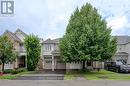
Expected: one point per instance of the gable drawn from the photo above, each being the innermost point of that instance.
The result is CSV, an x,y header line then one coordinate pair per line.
x,y
20,34
12,36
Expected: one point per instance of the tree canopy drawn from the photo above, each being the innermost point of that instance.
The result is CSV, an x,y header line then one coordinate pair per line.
x,y
33,49
87,37
7,53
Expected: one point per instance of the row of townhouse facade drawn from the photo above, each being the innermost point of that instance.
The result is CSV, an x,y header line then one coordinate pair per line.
x,y
50,53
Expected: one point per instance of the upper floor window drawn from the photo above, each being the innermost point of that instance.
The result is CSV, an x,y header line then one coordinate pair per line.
x,y
21,47
56,47
48,47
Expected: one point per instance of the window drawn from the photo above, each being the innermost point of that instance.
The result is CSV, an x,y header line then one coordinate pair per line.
x,y
47,57
21,47
60,61
48,47
49,61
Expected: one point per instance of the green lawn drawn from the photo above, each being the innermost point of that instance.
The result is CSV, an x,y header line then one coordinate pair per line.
x,y
102,74
8,76
13,76
71,75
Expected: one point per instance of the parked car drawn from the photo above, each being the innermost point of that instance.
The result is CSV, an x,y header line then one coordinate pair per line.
x,y
117,66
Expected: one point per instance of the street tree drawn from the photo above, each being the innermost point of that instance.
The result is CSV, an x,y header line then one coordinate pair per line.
x,y
87,37
7,52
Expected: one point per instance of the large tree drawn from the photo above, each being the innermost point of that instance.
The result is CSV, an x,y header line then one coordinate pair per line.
x,y
33,49
7,53
87,37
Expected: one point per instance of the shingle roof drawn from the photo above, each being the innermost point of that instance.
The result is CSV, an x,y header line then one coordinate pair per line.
x,y
12,35
18,30
52,41
120,40
55,52
123,39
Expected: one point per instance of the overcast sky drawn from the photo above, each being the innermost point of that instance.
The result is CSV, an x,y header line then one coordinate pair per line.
x,y
49,18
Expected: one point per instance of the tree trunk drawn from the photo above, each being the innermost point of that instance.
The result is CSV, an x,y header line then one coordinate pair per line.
x,y
83,65
3,64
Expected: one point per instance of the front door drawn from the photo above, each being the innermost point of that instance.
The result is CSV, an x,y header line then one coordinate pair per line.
x,y
21,61
47,62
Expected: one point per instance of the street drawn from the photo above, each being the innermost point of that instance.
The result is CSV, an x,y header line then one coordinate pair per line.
x,y
63,83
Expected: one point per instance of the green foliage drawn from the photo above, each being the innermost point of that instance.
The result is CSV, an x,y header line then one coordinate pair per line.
x,y
11,71
7,71
19,70
22,69
8,77
7,53
87,37
33,50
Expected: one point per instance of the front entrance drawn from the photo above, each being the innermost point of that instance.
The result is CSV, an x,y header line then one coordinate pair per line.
x,y
47,63
21,61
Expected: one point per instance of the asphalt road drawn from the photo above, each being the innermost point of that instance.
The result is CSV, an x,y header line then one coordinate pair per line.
x,y
63,83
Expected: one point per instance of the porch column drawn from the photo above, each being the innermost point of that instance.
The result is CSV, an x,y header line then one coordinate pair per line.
x,y
52,62
43,62
16,63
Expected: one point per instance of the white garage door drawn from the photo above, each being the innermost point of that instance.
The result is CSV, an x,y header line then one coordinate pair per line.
x,y
48,64
59,64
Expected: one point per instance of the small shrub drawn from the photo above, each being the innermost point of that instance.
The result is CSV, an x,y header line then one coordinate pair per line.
x,y
19,70
14,72
8,71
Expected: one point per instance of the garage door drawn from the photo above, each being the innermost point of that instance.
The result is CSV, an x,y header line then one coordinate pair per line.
x,y
60,65
48,64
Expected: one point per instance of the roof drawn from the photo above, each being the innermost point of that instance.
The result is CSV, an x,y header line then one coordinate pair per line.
x,y
122,53
12,35
18,30
123,39
56,52
52,41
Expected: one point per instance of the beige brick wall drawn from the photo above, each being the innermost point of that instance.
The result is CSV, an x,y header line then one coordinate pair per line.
x,y
16,46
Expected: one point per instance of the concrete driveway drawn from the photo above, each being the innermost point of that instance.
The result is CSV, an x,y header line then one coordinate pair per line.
x,y
41,77
62,83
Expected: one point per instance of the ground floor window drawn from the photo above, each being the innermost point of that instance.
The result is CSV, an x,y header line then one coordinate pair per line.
x,y
49,61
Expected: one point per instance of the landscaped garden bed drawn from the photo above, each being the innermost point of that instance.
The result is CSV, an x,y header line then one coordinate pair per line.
x,y
13,73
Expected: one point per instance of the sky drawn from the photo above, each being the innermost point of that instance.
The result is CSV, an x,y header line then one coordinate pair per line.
x,y
49,18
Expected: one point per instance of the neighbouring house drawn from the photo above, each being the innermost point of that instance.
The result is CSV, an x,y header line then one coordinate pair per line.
x,y
17,38
123,49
